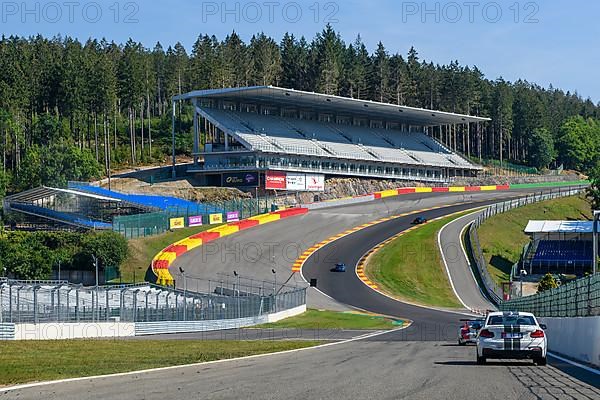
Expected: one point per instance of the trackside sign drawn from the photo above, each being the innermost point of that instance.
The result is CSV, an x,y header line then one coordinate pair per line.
x,y
293,181
276,180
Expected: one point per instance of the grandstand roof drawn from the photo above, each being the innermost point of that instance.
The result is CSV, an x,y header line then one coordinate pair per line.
x,y
559,227
371,109
44,192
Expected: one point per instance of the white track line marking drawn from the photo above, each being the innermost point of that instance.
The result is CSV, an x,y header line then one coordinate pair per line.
x,y
478,210
574,363
201,364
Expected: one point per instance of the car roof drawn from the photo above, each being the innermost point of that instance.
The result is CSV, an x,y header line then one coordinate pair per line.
x,y
503,313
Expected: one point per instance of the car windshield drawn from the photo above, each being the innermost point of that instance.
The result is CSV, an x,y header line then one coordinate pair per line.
x,y
511,320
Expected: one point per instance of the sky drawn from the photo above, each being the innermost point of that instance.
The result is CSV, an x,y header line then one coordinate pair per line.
x,y
547,42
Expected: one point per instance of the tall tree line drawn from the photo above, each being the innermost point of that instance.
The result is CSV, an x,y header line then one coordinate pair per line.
x,y
111,101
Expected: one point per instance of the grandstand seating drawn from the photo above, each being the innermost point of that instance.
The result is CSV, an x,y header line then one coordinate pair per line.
x,y
70,218
150,201
308,137
564,250
566,256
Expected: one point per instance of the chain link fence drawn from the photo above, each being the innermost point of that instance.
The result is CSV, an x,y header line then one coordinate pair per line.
x,y
229,298
580,298
495,290
149,224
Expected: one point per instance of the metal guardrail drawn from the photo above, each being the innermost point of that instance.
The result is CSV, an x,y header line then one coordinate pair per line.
x,y
226,298
580,298
496,291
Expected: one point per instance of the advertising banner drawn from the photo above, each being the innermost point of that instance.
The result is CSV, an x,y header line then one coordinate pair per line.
x,y
295,181
176,223
233,216
275,180
240,179
216,219
195,221
315,183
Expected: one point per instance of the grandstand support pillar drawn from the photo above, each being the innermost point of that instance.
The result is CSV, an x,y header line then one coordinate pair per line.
x,y
595,241
196,133
173,173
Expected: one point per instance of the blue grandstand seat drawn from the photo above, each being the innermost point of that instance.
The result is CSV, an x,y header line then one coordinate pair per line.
x,y
152,201
565,251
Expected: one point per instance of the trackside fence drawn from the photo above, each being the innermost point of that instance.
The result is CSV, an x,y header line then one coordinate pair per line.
x,y
495,290
228,298
155,223
580,298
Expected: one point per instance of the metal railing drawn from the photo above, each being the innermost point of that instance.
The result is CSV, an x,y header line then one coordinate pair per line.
x,y
580,298
495,290
227,298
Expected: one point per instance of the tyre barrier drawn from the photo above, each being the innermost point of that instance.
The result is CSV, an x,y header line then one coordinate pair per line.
x,y
163,260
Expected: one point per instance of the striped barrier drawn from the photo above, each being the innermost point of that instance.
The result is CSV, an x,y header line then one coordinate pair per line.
x,y
452,189
163,260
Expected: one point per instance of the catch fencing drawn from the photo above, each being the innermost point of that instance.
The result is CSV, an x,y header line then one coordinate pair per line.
x,y
154,223
579,298
228,298
496,291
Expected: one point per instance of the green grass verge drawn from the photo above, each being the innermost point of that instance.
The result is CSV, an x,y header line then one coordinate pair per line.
x,y
30,361
410,268
318,319
143,250
502,238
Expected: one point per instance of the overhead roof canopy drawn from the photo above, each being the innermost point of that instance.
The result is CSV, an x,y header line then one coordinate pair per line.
x,y
44,192
559,227
335,104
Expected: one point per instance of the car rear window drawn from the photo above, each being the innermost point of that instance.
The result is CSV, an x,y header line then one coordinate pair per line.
x,y
511,320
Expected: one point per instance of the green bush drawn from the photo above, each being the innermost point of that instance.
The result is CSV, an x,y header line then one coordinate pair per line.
x,y
33,255
547,283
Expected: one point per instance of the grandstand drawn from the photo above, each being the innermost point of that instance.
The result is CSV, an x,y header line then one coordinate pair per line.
x,y
559,247
87,207
258,129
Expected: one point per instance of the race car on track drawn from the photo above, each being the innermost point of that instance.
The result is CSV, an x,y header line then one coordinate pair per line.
x,y
468,331
420,221
339,267
512,335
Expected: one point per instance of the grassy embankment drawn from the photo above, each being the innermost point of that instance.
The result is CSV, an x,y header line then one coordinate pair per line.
x,y
30,361
318,319
502,238
410,268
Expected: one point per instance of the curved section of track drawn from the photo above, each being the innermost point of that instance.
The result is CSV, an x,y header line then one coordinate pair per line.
x,y
458,266
427,324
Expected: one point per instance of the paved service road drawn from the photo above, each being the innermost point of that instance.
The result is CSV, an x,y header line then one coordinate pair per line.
x,y
459,266
380,368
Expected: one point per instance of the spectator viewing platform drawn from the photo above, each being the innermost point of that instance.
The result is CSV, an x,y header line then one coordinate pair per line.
x,y
559,247
266,128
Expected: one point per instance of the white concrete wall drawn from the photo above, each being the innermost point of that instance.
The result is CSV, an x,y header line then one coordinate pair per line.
x,y
286,314
576,338
64,331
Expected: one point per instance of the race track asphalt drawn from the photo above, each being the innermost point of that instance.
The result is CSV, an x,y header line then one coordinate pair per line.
x,y
460,269
257,251
420,362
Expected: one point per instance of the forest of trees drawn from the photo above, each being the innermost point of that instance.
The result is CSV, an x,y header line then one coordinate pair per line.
x,y
70,109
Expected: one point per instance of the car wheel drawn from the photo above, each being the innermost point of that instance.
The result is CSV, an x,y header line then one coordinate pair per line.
x,y
541,361
480,360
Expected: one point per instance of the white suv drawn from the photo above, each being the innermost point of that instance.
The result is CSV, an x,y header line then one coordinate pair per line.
x,y
512,335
